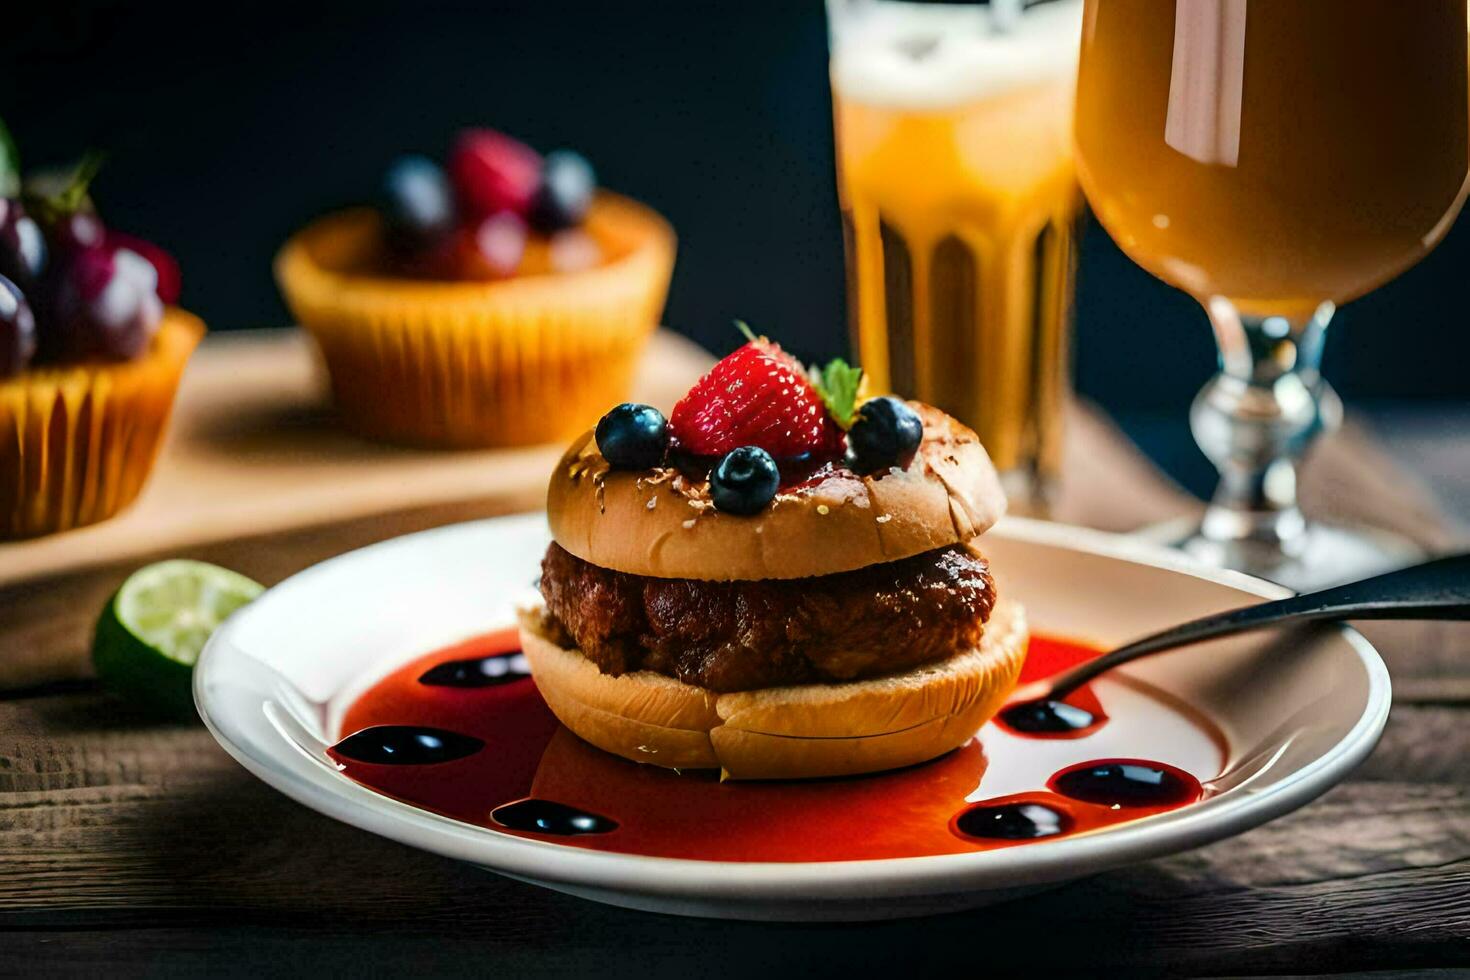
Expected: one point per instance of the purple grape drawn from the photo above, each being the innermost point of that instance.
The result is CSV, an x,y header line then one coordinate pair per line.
x,y
22,246
17,330
107,305
76,231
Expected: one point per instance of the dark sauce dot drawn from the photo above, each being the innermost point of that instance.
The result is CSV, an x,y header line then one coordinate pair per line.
x,y
501,668
550,817
1126,782
1047,717
406,745
1012,821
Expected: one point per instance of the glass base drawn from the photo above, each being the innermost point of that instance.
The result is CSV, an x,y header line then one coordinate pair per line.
x,y
1326,555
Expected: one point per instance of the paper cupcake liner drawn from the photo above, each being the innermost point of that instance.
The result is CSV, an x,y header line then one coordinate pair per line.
x,y
77,441
465,364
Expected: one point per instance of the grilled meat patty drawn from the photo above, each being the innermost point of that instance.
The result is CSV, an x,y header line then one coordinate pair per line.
x,y
740,636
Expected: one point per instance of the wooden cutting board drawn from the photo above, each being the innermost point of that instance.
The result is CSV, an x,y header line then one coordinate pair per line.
x,y
254,450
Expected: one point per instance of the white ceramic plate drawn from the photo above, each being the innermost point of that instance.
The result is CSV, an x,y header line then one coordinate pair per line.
x,y
1297,713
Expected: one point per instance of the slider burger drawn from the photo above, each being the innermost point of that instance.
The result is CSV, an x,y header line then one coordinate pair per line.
x,y
778,582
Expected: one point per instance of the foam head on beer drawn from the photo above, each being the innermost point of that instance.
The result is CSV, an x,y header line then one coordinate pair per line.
x,y
929,56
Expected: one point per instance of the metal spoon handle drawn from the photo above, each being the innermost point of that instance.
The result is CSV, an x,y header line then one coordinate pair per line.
x,y
1437,589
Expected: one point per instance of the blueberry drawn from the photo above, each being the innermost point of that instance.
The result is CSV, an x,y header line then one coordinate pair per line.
x,y
417,202
633,437
565,194
886,433
744,481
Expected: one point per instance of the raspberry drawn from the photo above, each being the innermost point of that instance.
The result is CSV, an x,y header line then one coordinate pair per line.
x,y
492,172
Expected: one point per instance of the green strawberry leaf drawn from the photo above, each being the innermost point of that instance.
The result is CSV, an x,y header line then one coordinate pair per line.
x,y
52,207
744,328
81,180
9,164
838,383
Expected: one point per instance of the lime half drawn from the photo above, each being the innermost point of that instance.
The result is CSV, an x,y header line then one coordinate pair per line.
x,y
151,631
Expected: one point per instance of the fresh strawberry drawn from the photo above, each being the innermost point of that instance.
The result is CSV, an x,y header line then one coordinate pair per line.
x,y
492,172
758,396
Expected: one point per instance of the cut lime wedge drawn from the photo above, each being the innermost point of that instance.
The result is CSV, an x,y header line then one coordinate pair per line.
x,y
150,633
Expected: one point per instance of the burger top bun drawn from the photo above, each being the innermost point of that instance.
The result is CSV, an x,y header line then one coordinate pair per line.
x,y
660,524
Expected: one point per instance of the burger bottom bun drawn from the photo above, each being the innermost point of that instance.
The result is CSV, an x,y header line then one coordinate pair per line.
x,y
799,732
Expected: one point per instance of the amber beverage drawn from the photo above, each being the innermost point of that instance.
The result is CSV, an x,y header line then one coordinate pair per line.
x,y
1274,158
959,199
1276,154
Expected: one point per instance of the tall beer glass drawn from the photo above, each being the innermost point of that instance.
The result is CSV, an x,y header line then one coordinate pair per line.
x,y
1273,158
958,193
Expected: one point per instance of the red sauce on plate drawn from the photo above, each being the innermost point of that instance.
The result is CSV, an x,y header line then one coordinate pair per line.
x,y
534,779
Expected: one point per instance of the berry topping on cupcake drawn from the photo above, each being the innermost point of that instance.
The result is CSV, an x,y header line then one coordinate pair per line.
x,y
17,329
165,266
22,245
417,205
498,210
74,289
493,172
565,194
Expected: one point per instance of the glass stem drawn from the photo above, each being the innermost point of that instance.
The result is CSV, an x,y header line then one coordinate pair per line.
x,y
1255,420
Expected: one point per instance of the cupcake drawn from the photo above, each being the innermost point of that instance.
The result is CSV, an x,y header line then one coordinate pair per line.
x,y
504,302
90,358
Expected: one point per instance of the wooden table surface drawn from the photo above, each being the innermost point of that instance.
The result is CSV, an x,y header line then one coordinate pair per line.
x,y
132,848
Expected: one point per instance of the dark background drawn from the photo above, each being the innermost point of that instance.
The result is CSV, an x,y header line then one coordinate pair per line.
x,y
228,126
